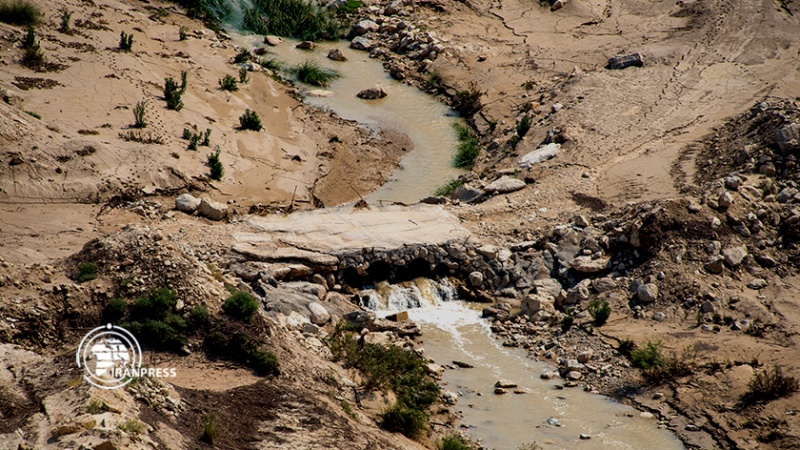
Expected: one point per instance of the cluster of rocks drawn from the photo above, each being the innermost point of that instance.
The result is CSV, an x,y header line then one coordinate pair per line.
x,y
204,207
475,190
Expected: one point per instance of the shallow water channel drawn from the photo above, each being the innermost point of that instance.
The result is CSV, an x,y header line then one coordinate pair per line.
x,y
427,122
454,331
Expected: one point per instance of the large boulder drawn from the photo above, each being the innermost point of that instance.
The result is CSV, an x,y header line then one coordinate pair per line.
x,y
273,41
466,193
505,184
647,293
788,138
587,264
372,93
533,303
319,315
336,55
540,154
363,27
212,210
187,203
361,43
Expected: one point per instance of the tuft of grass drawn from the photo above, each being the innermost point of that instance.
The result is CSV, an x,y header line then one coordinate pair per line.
x,y
468,102
311,73
626,347
250,121
241,306
769,385
300,19
87,271
468,147
243,75
434,78
347,409
34,114
447,189
32,56
20,12
183,33
66,17
210,429
96,406
242,57
132,427
270,63
523,126
567,321
125,41
215,165
648,356
454,442
142,137
399,418
229,83
599,312
139,113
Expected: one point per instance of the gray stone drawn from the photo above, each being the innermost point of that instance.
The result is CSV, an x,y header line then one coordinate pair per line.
x,y
577,294
450,397
476,279
659,316
336,55
625,61
733,182
647,293
433,200
586,264
585,436
310,328
757,283
604,284
434,370
361,319
553,422
548,286
533,303
319,315
585,356
466,193
505,184
786,194
212,210
363,27
715,264
500,391
540,154
725,200
393,8
574,375
187,203
372,93
788,138
361,43
505,384
734,255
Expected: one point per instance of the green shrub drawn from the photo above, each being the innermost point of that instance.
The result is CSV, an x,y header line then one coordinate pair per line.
x,y
87,271
243,75
241,306
434,78
242,57
199,316
399,418
66,17
228,84
216,343
155,305
468,102
626,347
263,362
647,357
270,63
523,126
206,138
215,165
32,56
183,33
447,189
114,310
173,92
139,113
96,406
769,385
20,12
468,147
300,19
454,442
33,114
310,72
241,349
125,41
210,429
567,321
600,312
250,121
132,427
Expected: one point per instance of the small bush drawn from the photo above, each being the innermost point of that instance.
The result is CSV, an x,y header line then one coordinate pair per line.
x,y
454,442
139,113
210,429
250,121
599,312
87,271
468,102
183,33
66,17
32,56
270,63
567,321
216,343
310,72
173,92
399,418
125,41
199,316
243,75
447,189
468,147
242,57
263,362
206,138
769,385
142,137
228,84
434,78
523,126
647,357
240,306
626,347
215,165
114,310
96,406
20,12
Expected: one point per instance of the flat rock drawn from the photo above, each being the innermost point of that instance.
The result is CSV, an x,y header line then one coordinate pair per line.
x,y
587,264
505,384
363,27
734,255
505,184
319,93
466,193
604,284
361,43
273,254
540,154
273,41
757,283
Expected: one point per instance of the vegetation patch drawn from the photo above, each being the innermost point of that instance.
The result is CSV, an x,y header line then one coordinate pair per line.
x,y
173,92
769,384
300,19
468,102
399,418
450,186
250,121
20,12
600,312
87,271
28,83
311,73
229,83
154,322
142,137
453,442
125,41
215,165
468,147
240,348
241,306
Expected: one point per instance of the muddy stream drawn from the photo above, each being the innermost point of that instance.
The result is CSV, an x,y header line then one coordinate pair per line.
x,y
452,329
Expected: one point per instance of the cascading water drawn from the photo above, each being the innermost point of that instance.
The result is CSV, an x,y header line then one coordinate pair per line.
x,y
453,330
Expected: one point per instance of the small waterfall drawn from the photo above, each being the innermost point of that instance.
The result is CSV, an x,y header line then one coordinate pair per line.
x,y
385,298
